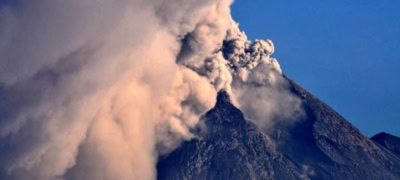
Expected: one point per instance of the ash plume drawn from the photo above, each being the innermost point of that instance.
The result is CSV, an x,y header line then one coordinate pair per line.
x,y
98,89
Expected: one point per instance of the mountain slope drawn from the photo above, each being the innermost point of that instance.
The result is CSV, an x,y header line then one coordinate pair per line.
x,y
319,145
390,142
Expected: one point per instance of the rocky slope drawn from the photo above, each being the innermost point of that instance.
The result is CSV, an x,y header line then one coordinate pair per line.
x,y
390,142
319,145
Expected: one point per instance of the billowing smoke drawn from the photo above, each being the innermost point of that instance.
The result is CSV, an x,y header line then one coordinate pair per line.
x,y
98,89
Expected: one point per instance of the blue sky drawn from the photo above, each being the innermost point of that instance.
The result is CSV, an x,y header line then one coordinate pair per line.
x,y
346,52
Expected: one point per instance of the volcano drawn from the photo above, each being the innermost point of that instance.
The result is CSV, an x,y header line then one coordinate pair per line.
x,y
321,144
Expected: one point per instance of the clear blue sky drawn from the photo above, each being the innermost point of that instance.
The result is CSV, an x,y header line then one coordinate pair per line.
x,y
346,52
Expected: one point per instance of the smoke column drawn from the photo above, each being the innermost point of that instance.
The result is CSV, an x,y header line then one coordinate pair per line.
x,y
99,89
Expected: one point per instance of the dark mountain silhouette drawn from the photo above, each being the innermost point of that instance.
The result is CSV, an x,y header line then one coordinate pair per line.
x,y
390,142
319,145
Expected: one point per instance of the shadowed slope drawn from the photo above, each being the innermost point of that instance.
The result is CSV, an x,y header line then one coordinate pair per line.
x,y
388,141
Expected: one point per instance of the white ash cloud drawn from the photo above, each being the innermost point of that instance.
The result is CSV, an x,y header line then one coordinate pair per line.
x,y
258,85
247,71
98,89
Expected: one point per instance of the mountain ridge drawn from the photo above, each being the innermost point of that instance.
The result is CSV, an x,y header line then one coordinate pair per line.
x,y
388,141
319,145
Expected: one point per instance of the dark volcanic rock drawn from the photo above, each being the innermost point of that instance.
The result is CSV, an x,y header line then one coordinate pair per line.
x,y
231,148
390,142
319,145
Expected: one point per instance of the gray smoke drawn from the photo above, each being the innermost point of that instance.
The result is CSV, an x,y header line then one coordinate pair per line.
x,y
98,89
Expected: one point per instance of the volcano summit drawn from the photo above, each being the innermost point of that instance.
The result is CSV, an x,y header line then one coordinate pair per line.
x,y
319,145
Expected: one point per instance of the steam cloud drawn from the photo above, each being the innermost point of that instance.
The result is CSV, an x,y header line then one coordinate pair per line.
x,y
98,89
